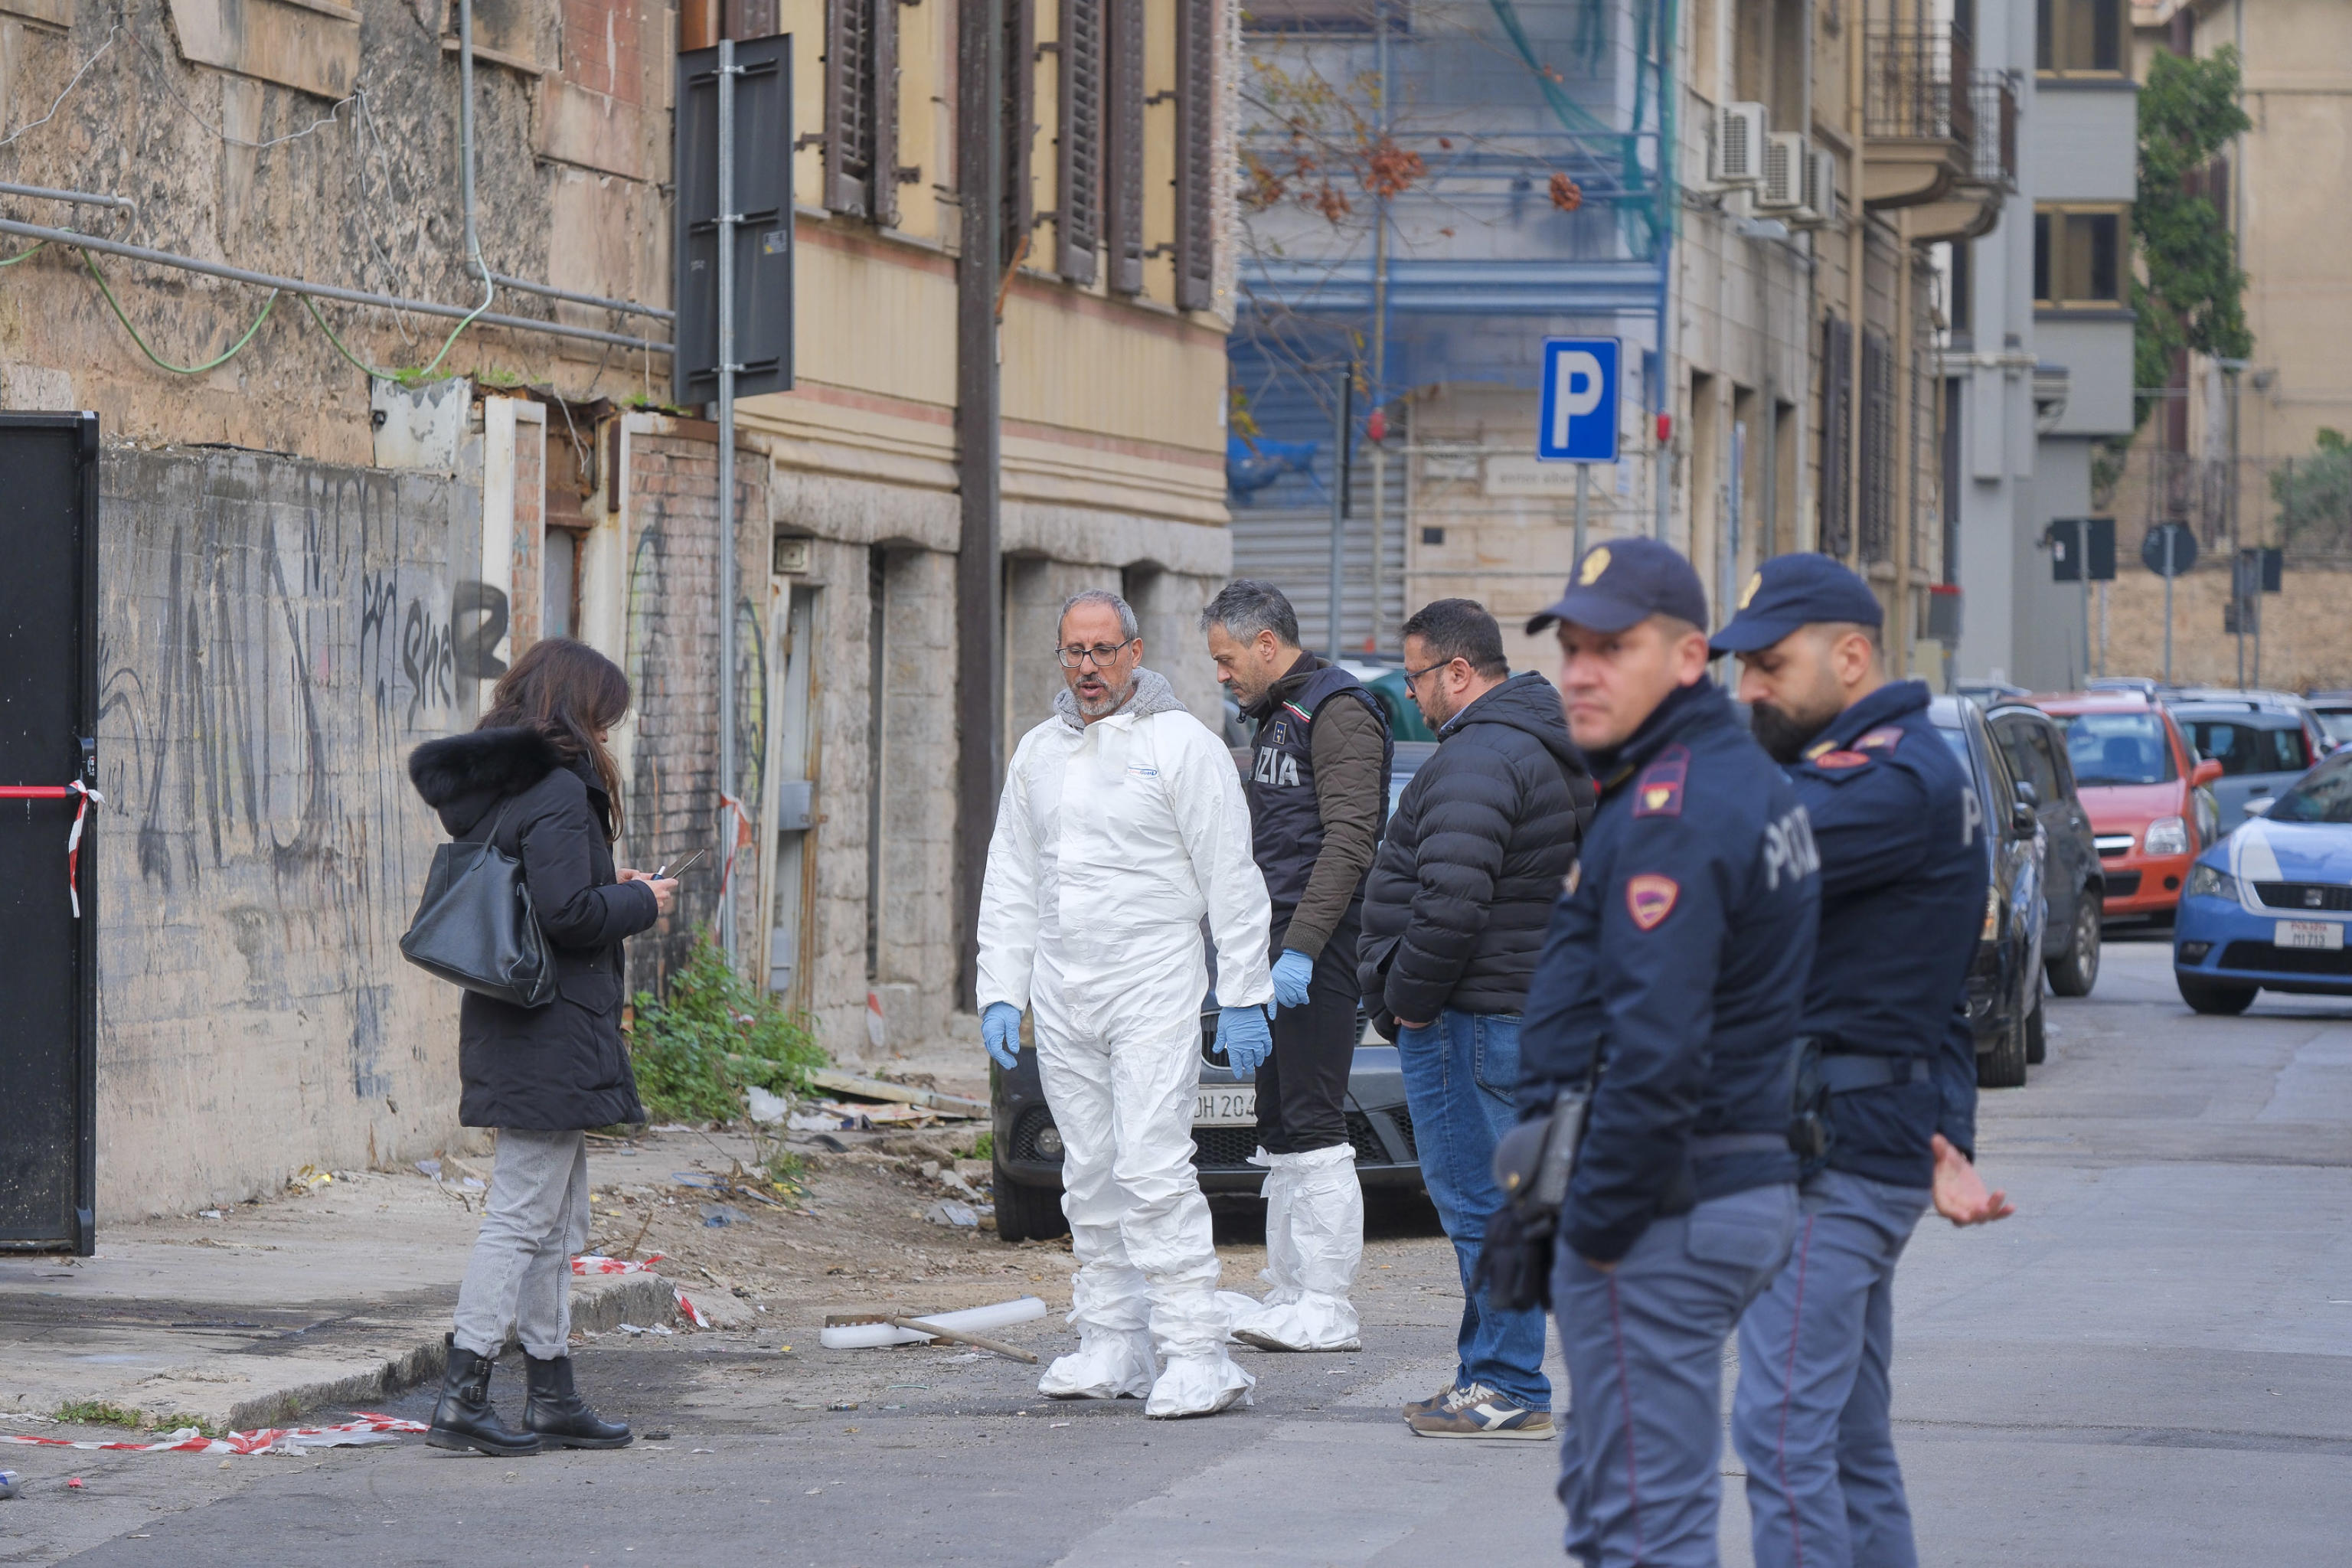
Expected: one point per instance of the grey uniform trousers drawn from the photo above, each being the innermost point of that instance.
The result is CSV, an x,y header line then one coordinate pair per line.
x,y
1810,1416
1643,1342
519,1279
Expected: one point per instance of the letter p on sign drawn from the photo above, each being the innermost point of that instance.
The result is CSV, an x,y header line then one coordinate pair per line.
x,y
1578,418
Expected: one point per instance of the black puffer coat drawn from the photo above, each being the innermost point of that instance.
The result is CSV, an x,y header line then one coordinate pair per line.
x,y
1461,893
562,1067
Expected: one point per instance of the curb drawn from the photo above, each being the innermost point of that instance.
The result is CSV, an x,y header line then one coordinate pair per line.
x,y
597,1307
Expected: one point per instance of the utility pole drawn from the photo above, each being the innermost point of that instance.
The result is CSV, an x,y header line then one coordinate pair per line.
x,y
731,812
1343,416
980,588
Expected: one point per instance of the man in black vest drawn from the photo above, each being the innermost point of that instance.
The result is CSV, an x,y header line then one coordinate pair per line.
x,y
1318,789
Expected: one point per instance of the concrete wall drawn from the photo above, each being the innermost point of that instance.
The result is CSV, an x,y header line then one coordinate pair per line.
x,y
275,637
2303,646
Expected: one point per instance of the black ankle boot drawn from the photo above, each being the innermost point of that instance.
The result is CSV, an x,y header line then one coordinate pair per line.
x,y
463,1418
556,1415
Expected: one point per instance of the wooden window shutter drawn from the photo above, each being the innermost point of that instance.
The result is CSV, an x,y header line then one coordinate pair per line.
x,y
1123,145
1878,447
1837,409
861,108
1079,163
1020,210
1196,26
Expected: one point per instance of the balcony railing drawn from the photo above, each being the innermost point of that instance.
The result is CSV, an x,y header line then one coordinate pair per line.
x,y
1910,86
1993,96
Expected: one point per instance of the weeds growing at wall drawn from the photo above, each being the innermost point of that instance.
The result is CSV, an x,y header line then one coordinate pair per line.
x,y
713,1037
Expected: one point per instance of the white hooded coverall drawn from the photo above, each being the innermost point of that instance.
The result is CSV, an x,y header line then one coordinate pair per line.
x,y
1113,840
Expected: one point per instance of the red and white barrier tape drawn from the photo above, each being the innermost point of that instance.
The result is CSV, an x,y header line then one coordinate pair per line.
x,y
73,837
693,1314
744,838
367,1428
597,1263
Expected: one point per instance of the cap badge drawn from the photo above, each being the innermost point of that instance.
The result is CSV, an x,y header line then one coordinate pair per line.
x,y
1650,900
1746,595
1596,561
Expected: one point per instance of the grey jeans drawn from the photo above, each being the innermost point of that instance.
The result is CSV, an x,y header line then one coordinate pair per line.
x,y
536,1219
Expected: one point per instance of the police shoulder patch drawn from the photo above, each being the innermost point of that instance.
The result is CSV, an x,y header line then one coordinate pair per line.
x,y
1650,899
1659,791
1885,738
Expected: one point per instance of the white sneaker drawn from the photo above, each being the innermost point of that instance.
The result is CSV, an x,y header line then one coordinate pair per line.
x,y
1198,1385
1106,1365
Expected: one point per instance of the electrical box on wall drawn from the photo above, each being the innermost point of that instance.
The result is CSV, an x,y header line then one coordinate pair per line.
x,y
792,557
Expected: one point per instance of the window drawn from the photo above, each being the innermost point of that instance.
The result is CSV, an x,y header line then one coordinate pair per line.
x,y
1078,146
2028,752
1836,535
560,602
1961,307
2078,258
2325,796
2074,37
2118,749
2243,748
861,109
1196,104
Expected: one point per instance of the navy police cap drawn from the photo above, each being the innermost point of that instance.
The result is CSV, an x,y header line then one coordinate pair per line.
x,y
1791,591
1626,580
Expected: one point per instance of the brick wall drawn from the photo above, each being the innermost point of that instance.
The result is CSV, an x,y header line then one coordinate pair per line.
x,y
673,663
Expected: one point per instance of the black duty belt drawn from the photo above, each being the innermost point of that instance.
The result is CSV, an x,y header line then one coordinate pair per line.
x,y
1722,1144
1845,1074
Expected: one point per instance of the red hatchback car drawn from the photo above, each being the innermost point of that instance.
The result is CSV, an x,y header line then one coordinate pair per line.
x,y
2144,788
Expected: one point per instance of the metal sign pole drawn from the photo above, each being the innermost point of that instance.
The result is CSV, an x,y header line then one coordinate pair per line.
x,y
1583,490
1343,414
2083,577
2168,537
728,218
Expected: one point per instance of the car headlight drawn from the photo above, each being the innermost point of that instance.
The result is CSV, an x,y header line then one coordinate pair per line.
x,y
2210,882
1992,915
2165,835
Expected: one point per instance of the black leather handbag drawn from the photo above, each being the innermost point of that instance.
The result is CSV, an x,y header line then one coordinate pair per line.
x,y
474,926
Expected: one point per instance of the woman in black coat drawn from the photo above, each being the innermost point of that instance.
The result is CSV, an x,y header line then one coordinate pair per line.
x,y
535,779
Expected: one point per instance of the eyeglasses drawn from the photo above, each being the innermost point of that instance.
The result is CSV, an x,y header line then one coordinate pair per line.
x,y
1412,675
1102,653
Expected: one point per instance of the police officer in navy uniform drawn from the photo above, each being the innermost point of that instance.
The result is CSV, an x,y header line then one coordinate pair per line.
x,y
1669,990
1317,790
1889,1063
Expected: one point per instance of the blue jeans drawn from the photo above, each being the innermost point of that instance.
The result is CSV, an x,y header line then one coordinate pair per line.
x,y
1460,1073
1810,1416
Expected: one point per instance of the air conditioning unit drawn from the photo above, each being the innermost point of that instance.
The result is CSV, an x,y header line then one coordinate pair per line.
x,y
1784,172
1738,147
1819,203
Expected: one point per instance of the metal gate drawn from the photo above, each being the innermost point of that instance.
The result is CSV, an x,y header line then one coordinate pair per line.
x,y
48,913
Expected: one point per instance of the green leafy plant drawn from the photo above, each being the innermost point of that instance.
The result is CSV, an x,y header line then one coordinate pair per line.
x,y
2315,495
714,1035
984,1146
99,1413
2191,292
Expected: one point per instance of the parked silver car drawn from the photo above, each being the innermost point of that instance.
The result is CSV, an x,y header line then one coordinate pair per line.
x,y
2265,741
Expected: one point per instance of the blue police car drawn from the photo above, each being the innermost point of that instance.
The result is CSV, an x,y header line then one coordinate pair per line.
x,y
2266,909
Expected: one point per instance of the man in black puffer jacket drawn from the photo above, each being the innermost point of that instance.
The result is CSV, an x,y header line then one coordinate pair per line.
x,y
1455,916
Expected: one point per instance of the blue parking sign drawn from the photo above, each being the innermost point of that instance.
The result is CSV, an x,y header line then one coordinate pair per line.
x,y
1578,420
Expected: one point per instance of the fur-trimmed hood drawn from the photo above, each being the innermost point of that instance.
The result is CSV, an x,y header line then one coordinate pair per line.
x,y
462,776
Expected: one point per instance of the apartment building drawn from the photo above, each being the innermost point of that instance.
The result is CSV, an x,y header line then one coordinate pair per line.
x,y
324,529
2038,347
1767,276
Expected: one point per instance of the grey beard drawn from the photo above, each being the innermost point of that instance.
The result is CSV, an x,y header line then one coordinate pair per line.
x,y
1110,702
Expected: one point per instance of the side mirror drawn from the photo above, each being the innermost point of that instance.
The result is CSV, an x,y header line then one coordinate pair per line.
x,y
2028,794
2204,773
2022,823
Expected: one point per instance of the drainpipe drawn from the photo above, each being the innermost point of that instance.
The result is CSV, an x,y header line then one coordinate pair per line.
x,y
1669,207
1857,258
474,266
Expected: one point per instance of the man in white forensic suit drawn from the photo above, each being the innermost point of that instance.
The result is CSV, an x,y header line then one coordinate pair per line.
x,y
1122,824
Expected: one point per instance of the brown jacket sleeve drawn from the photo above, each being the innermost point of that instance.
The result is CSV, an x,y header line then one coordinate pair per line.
x,y
1347,746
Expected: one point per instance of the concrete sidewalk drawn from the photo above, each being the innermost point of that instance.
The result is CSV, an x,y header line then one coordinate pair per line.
x,y
335,1293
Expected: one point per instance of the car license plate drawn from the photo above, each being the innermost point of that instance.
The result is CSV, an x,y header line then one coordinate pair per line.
x,y
1225,1105
2327,934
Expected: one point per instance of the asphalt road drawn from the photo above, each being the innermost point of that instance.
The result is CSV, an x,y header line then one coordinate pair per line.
x,y
2147,1366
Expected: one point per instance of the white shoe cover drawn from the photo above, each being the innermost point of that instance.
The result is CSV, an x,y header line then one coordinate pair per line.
x,y
1314,1244
1198,1385
1105,1366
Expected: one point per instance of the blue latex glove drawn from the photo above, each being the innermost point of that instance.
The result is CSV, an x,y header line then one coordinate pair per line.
x,y
1243,1035
999,1031
1292,973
